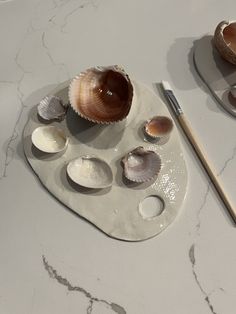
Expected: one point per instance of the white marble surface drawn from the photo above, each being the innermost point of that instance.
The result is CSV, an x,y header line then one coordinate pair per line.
x,y
52,261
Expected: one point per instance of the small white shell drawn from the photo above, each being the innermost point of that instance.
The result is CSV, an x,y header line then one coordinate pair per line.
x,y
233,91
141,165
49,139
90,172
51,107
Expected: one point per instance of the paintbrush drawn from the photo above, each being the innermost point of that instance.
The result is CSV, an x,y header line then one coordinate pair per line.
x,y
197,148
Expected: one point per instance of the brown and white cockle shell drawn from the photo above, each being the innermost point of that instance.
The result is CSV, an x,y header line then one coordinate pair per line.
x,y
102,94
141,165
158,126
225,40
51,108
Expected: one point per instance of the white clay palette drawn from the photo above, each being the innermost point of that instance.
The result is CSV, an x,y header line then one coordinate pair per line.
x,y
122,209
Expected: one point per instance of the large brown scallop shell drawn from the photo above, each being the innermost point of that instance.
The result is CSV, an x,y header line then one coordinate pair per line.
x,y
102,94
141,165
225,40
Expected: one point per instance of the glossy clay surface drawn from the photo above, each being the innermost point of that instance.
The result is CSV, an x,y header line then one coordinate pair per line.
x,y
115,210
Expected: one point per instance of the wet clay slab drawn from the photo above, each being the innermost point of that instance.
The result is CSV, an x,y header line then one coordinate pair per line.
x,y
116,209
216,73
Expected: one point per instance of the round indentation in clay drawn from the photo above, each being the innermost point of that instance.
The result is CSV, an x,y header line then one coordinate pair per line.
x,y
151,207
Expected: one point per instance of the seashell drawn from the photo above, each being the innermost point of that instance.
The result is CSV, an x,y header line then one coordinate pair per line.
x,y
49,139
141,165
233,91
102,94
225,40
158,126
51,107
90,172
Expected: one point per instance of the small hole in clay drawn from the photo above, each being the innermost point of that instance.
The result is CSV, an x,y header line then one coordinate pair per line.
x,y
151,207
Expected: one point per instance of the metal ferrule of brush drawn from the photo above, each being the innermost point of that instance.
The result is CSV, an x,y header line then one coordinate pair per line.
x,y
174,102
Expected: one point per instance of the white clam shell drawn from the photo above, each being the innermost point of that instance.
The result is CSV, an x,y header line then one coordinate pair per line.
x,y
141,165
51,107
49,139
90,172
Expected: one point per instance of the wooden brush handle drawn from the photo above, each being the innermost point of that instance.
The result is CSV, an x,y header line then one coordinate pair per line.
x,y
206,164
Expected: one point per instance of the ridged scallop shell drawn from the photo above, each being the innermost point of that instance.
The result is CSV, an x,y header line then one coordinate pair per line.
x,y
158,126
51,107
225,40
90,172
102,94
141,165
49,139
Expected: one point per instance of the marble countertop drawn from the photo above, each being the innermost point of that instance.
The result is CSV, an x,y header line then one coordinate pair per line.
x,y
51,260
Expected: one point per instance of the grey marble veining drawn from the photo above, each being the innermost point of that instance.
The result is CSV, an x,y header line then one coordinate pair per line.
x,y
91,299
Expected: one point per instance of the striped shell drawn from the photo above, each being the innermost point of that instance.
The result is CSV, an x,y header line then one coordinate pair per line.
x,y
51,107
102,94
141,165
225,40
